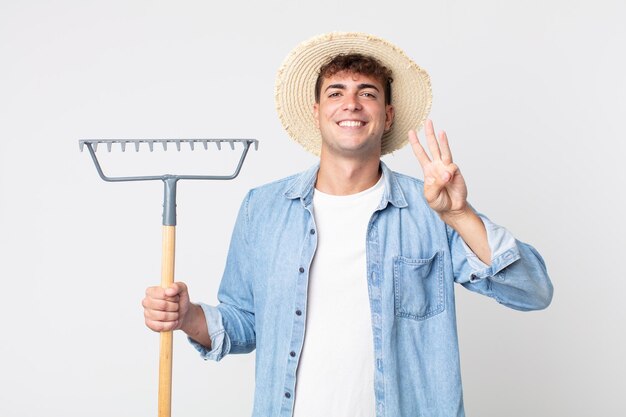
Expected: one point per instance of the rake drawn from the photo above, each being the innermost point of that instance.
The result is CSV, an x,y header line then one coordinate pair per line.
x,y
169,225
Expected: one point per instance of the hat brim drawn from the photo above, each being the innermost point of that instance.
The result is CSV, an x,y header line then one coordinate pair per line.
x,y
411,93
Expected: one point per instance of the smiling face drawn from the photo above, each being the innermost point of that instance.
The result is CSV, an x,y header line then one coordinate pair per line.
x,y
352,115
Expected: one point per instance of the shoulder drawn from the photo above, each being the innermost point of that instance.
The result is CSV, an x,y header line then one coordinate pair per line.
x,y
406,185
273,195
270,205
407,180
273,189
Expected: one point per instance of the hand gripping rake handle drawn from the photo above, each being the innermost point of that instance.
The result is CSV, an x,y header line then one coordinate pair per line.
x,y
169,229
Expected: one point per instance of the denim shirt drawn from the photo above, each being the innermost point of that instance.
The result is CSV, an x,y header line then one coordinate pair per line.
x,y
413,261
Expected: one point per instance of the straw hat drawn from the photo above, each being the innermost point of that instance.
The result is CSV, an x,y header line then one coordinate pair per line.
x,y
411,94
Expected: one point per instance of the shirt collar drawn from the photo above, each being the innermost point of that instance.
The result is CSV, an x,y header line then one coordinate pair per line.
x,y
303,187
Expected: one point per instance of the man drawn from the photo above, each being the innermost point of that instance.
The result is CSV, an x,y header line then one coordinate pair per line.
x,y
341,277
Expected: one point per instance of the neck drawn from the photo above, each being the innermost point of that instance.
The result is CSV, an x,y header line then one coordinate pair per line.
x,y
347,176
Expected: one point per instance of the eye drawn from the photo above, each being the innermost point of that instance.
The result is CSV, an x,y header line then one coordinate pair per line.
x,y
368,94
334,94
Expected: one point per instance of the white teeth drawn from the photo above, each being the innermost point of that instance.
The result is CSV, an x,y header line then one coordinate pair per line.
x,y
351,123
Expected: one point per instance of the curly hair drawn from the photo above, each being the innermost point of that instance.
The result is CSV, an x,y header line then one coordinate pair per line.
x,y
356,64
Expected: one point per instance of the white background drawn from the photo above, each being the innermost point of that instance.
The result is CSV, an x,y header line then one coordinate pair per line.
x,y
531,93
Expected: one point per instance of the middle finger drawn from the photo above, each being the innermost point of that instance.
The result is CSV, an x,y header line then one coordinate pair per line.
x,y
433,145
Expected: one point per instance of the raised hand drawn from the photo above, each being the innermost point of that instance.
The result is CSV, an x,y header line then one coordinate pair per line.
x,y
444,186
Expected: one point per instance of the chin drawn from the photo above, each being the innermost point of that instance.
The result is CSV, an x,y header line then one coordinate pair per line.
x,y
361,151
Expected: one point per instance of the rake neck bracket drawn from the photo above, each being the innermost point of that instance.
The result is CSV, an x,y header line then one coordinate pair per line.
x,y
169,200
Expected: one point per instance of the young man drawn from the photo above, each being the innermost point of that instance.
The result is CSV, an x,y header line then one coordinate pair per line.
x,y
341,277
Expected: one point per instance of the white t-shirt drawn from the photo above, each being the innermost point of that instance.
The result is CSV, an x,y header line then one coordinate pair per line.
x,y
335,376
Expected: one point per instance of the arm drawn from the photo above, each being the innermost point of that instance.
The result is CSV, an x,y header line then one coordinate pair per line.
x,y
472,230
486,258
446,192
517,276
231,324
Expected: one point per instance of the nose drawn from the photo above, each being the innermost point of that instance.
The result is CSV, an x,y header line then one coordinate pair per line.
x,y
352,103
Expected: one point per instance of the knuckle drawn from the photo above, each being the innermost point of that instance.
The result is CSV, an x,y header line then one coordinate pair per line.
x,y
152,325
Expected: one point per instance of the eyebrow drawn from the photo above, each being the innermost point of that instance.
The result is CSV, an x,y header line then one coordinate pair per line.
x,y
361,86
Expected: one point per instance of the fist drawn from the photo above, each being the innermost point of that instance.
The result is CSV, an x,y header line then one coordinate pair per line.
x,y
166,308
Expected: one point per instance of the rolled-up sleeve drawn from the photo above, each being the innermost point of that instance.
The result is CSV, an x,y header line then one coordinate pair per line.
x,y
220,343
517,276
504,252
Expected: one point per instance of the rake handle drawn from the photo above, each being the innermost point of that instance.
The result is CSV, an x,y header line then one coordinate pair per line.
x,y
165,355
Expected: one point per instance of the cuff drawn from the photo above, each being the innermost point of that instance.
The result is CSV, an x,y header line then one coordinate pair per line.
x,y
504,252
220,343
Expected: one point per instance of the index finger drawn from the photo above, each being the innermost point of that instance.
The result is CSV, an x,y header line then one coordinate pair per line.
x,y
156,292
160,293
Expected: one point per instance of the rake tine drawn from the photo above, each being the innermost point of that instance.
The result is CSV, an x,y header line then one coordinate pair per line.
x,y
177,145
164,143
109,145
232,145
151,145
95,146
219,145
136,146
205,144
123,144
191,144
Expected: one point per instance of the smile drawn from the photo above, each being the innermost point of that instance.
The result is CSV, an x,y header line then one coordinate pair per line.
x,y
351,123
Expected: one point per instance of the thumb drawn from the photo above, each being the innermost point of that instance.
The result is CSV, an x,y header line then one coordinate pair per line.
x,y
177,288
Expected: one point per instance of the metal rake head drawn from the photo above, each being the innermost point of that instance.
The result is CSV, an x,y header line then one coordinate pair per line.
x,y
92,147
169,198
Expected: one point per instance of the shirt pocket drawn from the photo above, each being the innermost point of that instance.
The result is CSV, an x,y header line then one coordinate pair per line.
x,y
418,286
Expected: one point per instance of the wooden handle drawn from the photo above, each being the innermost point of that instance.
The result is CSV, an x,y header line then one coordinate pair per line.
x,y
165,356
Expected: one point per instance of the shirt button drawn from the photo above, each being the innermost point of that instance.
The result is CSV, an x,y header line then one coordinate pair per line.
x,y
287,395
312,231
301,270
292,354
298,313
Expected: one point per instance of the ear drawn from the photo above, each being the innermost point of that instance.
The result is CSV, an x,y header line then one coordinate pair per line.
x,y
316,114
389,115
